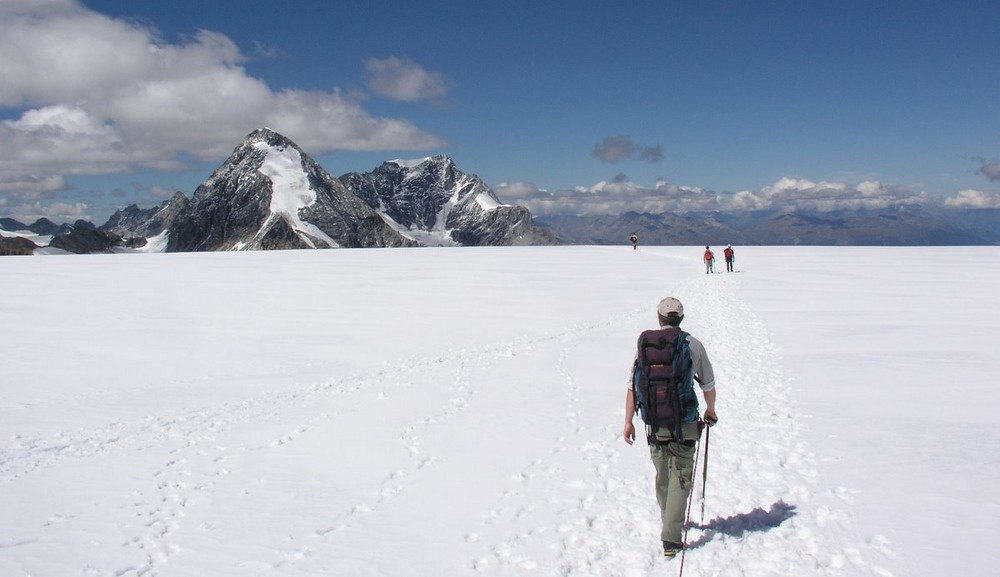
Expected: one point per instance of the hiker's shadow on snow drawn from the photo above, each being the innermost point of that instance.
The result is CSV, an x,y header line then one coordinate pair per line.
x,y
740,525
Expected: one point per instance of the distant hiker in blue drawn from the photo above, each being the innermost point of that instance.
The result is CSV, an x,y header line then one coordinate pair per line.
x,y
668,362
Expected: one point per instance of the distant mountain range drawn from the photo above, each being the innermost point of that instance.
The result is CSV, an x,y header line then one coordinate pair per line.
x,y
894,226
269,194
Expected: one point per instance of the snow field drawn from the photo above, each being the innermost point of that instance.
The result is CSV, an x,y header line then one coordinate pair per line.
x,y
392,413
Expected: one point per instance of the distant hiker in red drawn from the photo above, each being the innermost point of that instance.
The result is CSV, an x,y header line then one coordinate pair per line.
x,y
709,261
634,239
730,257
670,365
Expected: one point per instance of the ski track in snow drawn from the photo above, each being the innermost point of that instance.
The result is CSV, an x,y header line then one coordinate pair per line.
x,y
760,491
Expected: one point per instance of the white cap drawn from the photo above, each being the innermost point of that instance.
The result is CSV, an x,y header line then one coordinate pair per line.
x,y
669,306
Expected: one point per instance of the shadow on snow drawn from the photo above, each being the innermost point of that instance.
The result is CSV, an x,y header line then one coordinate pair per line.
x,y
740,525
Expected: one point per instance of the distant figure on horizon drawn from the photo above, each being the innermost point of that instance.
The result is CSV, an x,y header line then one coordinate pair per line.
x,y
730,256
634,239
709,261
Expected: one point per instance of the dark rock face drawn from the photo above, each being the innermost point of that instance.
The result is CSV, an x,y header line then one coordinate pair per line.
x,y
10,246
41,227
85,238
511,226
348,219
412,197
228,208
10,224
147,223
233,209
433,196
44,226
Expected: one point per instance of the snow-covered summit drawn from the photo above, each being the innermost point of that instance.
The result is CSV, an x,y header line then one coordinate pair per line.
x,y
431,200
270,194
411,163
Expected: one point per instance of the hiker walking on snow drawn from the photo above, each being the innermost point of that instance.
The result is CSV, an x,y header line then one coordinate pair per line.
x,y
709,261
668,363
634,239
730,256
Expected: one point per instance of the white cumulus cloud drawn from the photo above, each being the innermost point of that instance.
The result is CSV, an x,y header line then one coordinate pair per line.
x,y
973,199
91,94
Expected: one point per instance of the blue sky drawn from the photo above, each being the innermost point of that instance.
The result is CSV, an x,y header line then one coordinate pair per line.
x,y
579,107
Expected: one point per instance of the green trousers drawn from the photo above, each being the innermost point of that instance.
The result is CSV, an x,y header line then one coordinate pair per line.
x,y
674,463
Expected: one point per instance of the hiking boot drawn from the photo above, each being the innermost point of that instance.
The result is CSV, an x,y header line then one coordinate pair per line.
x,y
671,549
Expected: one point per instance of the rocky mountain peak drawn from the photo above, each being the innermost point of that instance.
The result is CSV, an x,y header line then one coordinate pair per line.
x,y
268,137
431,200
270,194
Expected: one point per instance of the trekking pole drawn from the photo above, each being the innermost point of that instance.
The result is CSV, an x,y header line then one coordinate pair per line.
x,y
687,516
704,474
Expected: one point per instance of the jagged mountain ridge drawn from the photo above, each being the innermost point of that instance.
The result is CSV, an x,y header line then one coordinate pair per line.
x,y
42,226
133,221
435,203
417,195
269,194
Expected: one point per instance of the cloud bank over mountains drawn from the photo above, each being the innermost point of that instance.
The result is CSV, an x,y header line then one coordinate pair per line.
x,y
620,195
